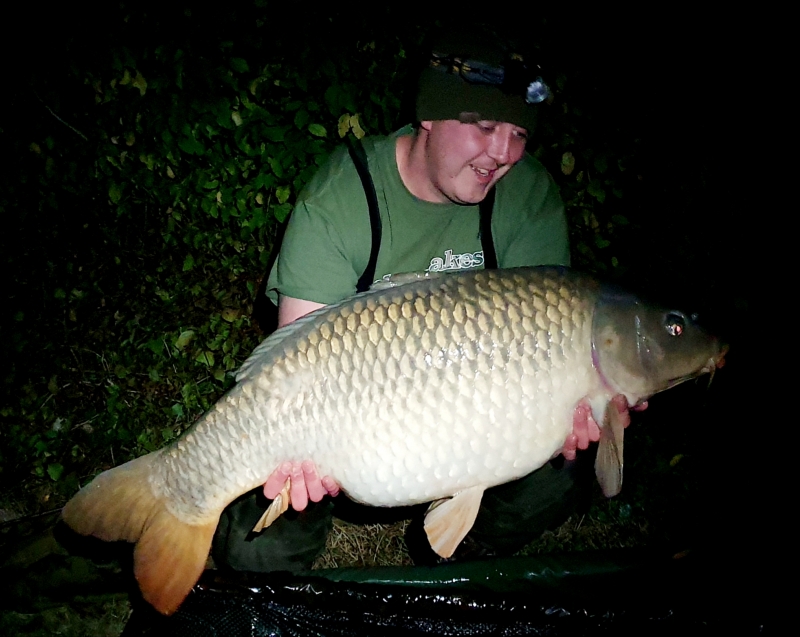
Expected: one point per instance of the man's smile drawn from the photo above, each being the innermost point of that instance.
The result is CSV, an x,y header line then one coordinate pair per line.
x,y
484,175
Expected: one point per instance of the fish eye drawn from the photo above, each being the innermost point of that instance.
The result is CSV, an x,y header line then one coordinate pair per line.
x,y
674,323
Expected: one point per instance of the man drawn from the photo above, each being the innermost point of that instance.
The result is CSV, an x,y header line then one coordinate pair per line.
x,y
476,106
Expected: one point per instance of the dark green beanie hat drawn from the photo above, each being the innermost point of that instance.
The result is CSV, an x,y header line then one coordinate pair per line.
x,y
471,76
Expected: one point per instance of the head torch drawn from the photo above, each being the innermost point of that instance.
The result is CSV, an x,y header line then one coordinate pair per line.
x,y
513,77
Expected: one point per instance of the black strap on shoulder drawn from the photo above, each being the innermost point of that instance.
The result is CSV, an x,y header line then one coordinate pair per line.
x,y
359,158
485,208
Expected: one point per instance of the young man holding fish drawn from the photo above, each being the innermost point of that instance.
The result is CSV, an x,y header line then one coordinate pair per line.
x,y
476,106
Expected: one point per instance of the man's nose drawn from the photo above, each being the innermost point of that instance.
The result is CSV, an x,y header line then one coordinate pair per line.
x,y
500,147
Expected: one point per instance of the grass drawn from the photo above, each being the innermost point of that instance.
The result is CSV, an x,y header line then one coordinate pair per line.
x,y
104,618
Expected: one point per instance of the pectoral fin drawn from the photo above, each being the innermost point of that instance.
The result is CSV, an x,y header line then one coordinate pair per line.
x,y
276,509
448,521
608,465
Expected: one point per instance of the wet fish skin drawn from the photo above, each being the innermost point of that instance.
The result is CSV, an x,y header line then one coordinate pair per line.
x,y
446,385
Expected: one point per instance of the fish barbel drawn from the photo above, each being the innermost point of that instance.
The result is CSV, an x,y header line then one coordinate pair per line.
x,y
437,388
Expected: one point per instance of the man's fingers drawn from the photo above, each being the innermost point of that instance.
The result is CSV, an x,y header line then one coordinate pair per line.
x,y
330,486
584,426
305,484
621,403
276,480
316,491
569,451
298,492
593,430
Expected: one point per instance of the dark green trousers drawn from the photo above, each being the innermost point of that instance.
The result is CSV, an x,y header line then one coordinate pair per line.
x,y
290,543
511,516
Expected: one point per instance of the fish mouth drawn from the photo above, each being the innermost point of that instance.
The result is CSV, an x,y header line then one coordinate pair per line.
x,y
714,363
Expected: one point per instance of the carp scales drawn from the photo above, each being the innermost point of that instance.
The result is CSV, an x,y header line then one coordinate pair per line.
x,y
428,391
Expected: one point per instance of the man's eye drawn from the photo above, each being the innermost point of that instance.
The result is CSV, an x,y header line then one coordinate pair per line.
x,y
486,127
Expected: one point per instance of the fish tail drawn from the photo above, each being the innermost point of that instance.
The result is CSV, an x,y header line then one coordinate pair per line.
x,y
170,554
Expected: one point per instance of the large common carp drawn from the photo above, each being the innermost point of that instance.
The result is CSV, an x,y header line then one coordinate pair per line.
x,y
439,387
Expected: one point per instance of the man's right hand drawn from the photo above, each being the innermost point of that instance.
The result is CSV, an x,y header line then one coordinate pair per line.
x,y
305,484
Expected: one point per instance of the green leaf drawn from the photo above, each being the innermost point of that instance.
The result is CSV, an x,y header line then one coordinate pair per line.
x,y
601,164
191,145
281,212
140,83
355,124
317,130
156,345
596,190
263,180
274,134
230,314
206,357
188,263
567,163
344,125
184,339
276,166
115,193
301,118
54,471
239,65
282,193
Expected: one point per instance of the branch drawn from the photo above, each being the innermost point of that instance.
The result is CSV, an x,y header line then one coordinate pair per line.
x,y
72,128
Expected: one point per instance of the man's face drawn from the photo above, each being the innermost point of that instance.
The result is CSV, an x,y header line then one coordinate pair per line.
x,y
464,160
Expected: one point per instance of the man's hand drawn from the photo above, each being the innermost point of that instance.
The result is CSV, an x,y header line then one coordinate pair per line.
x,y
305,484
585,429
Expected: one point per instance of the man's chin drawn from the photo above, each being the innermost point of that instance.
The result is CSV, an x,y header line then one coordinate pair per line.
x,y
468,199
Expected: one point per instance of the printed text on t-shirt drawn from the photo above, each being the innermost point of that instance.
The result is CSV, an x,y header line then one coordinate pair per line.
x,y
456,261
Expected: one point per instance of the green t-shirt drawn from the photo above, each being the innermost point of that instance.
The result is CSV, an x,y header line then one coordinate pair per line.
x,y
327,243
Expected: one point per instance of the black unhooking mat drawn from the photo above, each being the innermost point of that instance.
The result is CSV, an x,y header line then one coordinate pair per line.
x,y
711,591
573,594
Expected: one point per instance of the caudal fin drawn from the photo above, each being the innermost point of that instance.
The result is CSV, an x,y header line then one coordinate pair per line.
x,y
170,554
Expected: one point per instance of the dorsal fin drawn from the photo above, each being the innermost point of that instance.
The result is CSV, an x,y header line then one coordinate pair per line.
x,y
266,351
402,278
